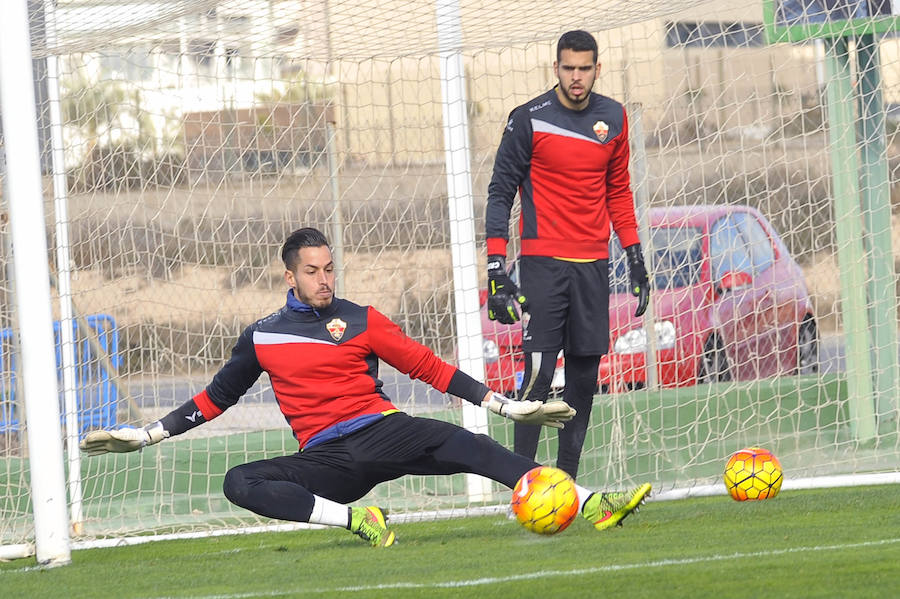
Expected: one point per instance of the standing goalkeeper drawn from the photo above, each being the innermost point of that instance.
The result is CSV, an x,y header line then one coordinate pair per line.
x,y
321,354
566,153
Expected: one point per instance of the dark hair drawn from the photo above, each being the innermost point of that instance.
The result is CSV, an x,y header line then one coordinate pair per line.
x,y
578,41
301,238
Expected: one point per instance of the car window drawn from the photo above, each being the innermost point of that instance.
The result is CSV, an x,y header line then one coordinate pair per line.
x,y
761,253
676,260
728,250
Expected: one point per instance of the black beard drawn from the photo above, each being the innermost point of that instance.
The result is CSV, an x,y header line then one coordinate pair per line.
x,y
573,100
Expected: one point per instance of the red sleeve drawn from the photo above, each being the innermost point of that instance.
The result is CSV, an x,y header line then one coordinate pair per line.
x,y
619,199
496,246
206,405
410,357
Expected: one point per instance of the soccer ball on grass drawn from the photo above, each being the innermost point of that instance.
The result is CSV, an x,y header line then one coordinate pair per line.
x,y
753,473
545,500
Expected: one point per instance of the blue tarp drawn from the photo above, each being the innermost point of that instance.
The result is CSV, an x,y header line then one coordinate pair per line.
x,y
96,395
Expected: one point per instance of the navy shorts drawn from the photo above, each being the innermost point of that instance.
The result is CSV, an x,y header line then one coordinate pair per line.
x,y
568,305
346,468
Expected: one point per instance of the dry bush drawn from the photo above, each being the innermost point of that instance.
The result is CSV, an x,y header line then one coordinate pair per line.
x,y
127,166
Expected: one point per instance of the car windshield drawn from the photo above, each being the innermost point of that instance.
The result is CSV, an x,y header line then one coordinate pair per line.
x,y
674,263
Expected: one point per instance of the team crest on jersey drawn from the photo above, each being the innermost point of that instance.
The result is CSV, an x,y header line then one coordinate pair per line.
x,y
336,328
601,130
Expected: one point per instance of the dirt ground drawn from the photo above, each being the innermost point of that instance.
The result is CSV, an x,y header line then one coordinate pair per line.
x,y
200,293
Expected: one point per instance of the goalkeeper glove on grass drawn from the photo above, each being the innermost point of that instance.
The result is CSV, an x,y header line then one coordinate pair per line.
x,y
502,293
122,440
637,273
553,413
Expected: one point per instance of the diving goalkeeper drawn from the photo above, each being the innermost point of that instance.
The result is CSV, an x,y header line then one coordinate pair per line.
x,y
322,354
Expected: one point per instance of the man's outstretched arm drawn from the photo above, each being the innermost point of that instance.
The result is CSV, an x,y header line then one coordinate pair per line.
x,y
552,413
123,440
225,389
413,358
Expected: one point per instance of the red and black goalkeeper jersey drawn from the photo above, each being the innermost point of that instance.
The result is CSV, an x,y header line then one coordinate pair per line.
x,y
323,366
570,168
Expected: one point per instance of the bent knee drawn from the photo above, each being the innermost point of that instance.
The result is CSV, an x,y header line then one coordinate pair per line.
x,y
236,485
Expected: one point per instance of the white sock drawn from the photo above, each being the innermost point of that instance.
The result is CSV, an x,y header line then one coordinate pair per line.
x,y
583,495
329,512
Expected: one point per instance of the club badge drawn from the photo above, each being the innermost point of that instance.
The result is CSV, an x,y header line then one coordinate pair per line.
x,y
336,328
601,130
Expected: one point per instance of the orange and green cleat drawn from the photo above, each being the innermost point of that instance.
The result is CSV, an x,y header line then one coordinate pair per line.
x,y
369,524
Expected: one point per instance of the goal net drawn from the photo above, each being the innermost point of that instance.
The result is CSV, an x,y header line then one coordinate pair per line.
x,y
197,135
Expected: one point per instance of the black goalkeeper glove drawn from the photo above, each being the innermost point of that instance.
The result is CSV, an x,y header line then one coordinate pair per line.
x,y
502,293
637,273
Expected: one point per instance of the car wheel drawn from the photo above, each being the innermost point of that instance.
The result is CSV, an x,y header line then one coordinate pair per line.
x,y
808,347
714,365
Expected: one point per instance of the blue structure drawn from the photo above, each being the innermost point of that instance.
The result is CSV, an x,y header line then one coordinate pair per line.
x,y
96,395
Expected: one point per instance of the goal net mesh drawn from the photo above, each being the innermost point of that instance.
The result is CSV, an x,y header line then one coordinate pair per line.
x,y
198,135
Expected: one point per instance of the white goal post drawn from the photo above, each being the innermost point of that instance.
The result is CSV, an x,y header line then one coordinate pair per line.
x,y
28,237
178,143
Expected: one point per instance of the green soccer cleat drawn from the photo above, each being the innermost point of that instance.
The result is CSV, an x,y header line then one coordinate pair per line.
x,y
604,510
369,524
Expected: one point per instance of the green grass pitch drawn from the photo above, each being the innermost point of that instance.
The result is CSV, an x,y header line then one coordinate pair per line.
x,y
842,542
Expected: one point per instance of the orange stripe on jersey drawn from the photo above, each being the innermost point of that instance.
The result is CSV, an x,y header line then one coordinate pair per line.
x,y
579,260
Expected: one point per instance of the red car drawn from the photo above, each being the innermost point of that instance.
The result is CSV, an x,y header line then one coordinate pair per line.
x,y
727,302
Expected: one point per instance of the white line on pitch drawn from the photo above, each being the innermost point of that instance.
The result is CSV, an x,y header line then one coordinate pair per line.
x,y
541,574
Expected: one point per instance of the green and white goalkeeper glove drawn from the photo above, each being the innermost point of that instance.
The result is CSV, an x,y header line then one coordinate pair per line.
x,y
552,413
122,440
